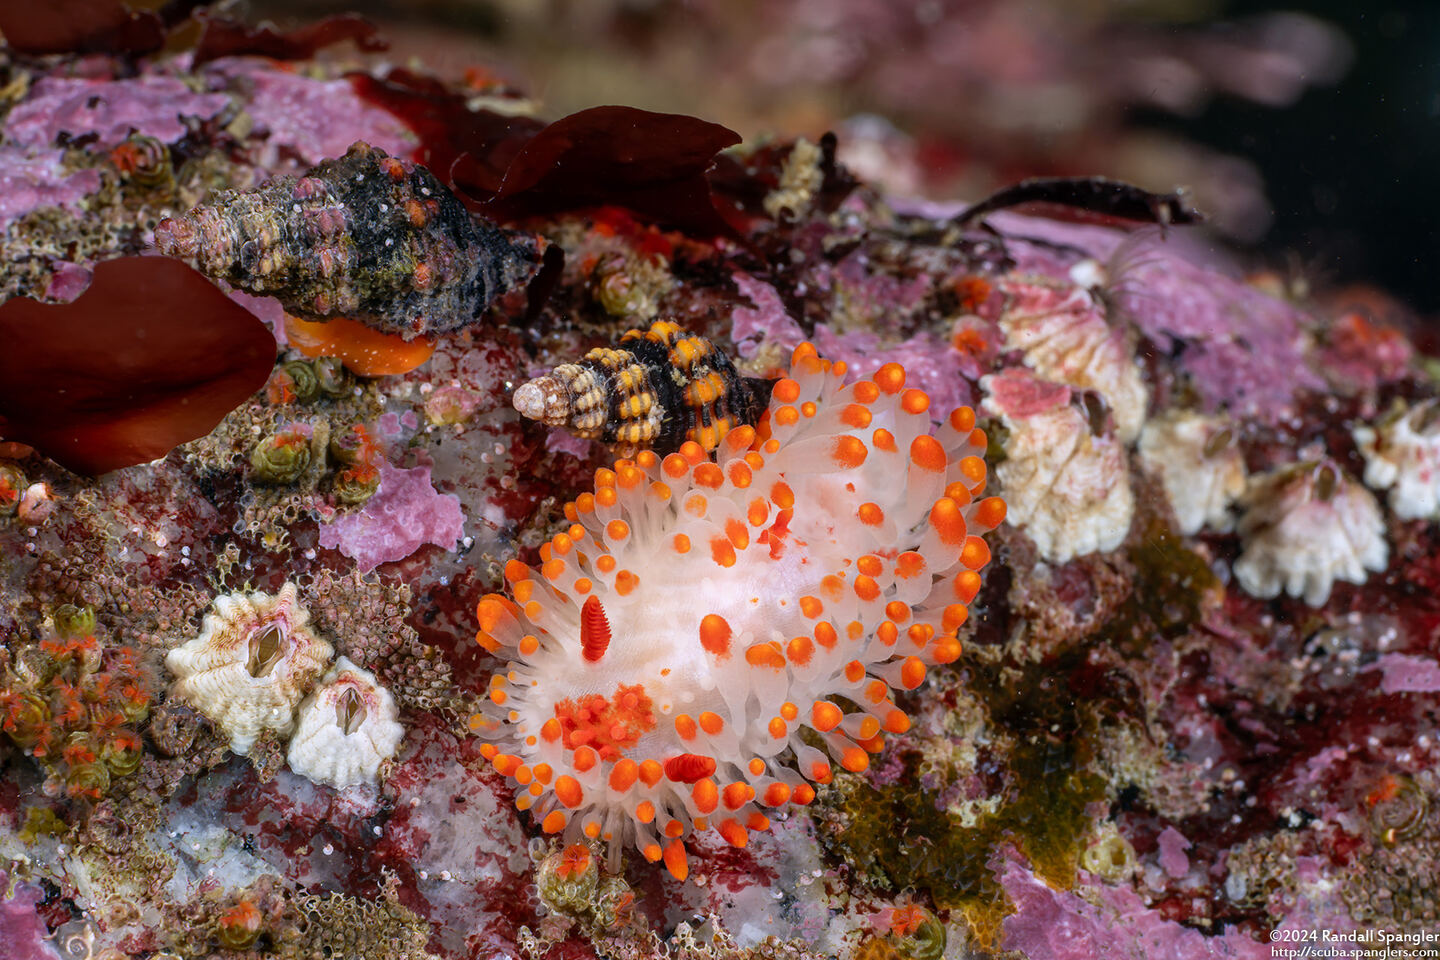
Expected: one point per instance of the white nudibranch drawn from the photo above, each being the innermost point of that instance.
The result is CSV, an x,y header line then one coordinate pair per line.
x,y
709,636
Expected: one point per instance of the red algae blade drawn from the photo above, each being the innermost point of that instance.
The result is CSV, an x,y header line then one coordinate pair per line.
x,y
150,356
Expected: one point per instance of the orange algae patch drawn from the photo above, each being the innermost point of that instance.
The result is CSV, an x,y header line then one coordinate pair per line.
x,y
609,726
366,352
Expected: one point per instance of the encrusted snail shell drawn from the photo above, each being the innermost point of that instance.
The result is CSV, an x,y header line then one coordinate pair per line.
x,y
366,236
653,390
346,730
255,659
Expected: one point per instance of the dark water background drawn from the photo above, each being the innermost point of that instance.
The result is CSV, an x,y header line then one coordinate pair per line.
x,y
1353,171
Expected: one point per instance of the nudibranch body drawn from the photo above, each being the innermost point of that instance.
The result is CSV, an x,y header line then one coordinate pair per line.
x,y
710,636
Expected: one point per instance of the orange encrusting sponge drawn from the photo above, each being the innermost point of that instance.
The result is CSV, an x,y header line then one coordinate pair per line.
x,y
365,351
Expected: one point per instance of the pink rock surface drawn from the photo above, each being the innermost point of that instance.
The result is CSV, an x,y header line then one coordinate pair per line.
x,y
153,105
314,118
1051,924
1405,673
29,182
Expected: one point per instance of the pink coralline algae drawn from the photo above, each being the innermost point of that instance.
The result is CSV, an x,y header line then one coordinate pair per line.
x,y
314,119
1051,924
1172,853
152,105
404,513
1407,673
21,929
1245,350
29,182
765,321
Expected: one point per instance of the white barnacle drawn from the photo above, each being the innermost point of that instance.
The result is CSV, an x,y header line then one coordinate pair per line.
x,y
1402,454
1066,338
1199,465
345,732
256,656
1066,485
1305,526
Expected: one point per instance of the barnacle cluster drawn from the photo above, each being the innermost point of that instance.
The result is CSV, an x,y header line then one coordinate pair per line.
x,y
74,704
366,236
367,617
1066,478
253,669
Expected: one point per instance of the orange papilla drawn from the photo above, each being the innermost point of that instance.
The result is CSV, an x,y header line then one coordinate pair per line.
x,y
675,466
568,791
693,452
866,391
705,794
967,585
962,419
990,512
734,834
948,521
776,794
825,635
915,401
715,634
856,415
890,378
365,351
825,716
676,861
624,774
709,475
927,454
849,451
767,654
975,554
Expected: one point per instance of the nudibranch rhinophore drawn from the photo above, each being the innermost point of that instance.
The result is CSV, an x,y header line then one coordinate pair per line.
x,y
703,624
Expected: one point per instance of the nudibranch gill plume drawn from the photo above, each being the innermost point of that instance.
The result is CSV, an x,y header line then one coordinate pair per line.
x,y
704,623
